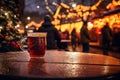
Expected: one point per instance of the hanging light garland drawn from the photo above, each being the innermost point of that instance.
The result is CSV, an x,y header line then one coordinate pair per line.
x,y
48,8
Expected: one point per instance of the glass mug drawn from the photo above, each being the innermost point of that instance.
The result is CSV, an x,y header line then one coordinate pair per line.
x,y
36,42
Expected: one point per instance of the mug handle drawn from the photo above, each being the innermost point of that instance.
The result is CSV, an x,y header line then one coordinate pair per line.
x,y
23,43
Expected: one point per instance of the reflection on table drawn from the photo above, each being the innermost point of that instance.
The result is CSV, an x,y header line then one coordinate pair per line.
x,y
59,64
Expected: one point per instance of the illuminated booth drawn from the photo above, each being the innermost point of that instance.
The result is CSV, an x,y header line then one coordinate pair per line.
x,y
67,17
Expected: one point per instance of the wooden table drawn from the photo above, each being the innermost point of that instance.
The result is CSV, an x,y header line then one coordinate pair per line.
x,y
58,65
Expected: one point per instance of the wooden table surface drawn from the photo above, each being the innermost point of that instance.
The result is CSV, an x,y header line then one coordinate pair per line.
x,y
60,65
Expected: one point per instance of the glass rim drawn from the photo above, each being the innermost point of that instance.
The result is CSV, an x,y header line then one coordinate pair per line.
x,y
36,34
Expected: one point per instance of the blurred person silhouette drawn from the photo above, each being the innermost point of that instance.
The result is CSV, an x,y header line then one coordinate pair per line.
x,y
106,34
85,38
53,36
65,36
116,39
74,39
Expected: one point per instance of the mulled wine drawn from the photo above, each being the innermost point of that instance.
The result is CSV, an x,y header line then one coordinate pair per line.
x,y
36,44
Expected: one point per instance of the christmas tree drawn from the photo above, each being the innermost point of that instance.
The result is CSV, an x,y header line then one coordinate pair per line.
x,y
9,35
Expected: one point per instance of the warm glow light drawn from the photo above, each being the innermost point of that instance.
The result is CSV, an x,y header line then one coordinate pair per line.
x,y
26,27
90,25
30,31
28,18
73,5
19,30
15,16
6,14
113,4
97,23
57,12
0,27
64,5
18,25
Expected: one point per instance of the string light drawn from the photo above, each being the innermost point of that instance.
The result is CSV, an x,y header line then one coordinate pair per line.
x,y
26,27
28,18
15,16
48,8
82,11
6,13
55,4
46,2
1,28
74,5
38,6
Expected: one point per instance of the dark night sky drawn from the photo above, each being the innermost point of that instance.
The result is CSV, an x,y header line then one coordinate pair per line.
x,y
31,5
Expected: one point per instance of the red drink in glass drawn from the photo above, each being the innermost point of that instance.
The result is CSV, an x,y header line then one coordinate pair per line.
x,y
36,44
